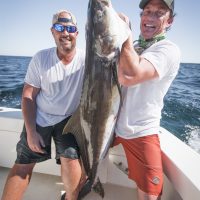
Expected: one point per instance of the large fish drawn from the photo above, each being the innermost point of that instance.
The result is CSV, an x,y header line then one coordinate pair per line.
x,y
93,122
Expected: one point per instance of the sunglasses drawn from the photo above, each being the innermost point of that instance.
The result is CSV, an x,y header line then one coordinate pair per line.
x,y
157,14
61,28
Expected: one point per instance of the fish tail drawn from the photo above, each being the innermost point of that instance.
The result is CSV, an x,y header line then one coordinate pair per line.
x,y
98,188
87,187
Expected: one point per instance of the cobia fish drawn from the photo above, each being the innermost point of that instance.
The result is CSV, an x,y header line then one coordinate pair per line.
x,y
93,122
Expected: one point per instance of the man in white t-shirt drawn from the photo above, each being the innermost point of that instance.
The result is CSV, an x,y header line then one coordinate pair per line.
x,y
146,72
51,94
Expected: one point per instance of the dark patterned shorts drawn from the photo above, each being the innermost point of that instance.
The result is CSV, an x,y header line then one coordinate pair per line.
x,y
65,145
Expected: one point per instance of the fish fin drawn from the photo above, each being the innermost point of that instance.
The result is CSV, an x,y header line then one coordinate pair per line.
x,y
73,126
98,188
87,187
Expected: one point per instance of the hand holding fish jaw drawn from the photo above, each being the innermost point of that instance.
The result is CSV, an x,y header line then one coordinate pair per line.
x,y
125,19
110,30
105,2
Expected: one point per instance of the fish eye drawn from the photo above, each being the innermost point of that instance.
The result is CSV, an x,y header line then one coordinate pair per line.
x,y
98,16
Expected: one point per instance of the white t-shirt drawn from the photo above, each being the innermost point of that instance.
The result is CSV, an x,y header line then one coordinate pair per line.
x,y
141,110
60,85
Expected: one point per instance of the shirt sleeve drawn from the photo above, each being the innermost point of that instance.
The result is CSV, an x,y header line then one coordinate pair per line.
x,y
33,72
165,57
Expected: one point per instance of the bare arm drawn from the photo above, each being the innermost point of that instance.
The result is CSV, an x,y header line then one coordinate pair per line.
x,y
29,95
134,69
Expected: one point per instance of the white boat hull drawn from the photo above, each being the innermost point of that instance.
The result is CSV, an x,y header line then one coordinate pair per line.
x,y
181,163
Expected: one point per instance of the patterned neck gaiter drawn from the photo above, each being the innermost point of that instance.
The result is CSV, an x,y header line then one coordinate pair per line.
x,y
142,44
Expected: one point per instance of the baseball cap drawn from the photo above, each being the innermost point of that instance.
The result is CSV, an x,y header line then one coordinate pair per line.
x,y
57,18
169,3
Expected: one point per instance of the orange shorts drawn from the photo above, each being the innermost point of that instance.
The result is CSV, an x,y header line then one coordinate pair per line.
x,y
144,162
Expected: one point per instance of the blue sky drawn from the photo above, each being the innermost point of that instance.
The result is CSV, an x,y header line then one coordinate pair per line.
x,y
25,24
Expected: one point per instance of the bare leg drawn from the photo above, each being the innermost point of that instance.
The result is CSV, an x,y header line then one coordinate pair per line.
x,y
144,196
71,173
17,181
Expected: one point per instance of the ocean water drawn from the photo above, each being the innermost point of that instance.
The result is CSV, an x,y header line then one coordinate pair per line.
x,y
12,73
180,115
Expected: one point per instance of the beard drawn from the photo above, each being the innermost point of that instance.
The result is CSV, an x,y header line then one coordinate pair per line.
x,y
65,44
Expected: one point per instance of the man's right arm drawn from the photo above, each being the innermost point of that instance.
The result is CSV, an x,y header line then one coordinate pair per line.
x,y
134,69
29,106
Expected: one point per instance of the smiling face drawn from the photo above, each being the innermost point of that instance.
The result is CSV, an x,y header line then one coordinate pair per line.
x,y
66,42
155,19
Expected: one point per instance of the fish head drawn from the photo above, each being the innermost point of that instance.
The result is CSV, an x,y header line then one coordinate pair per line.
x,y
109,31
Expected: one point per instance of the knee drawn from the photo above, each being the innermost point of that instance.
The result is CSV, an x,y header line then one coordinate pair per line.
x,y
68,162
22,170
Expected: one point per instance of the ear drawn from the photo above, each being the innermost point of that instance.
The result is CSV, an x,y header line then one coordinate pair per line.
x,y
51,30
77,33
170,21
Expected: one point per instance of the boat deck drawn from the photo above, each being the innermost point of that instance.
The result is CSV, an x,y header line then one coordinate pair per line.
x,y
50,187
